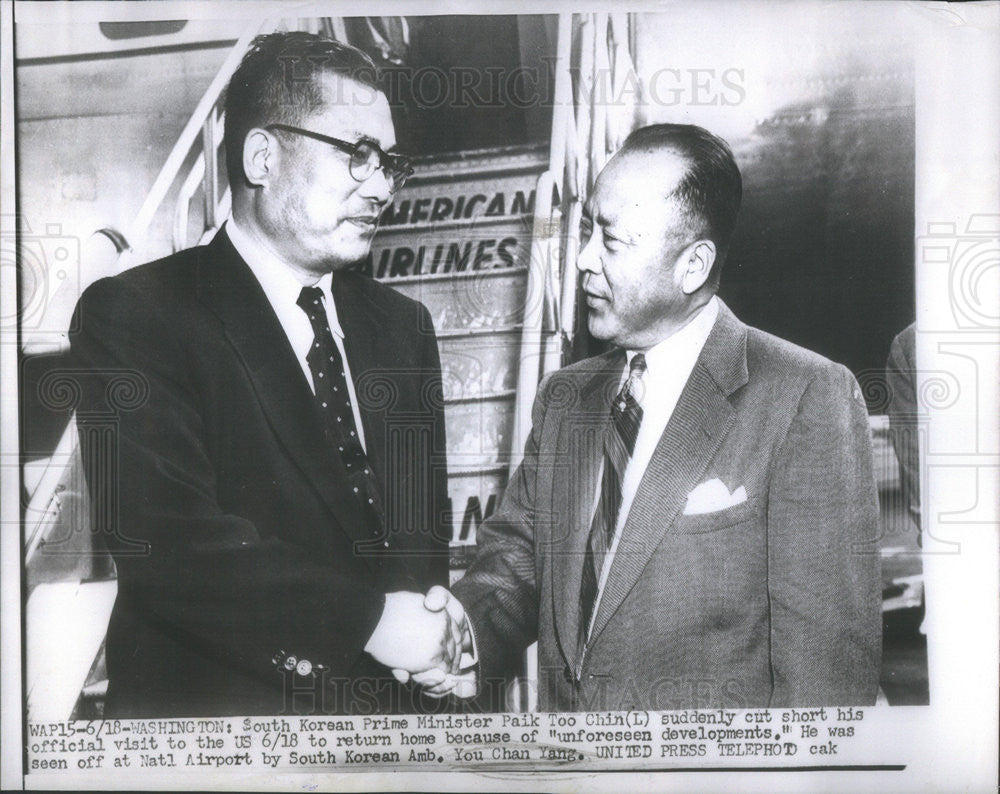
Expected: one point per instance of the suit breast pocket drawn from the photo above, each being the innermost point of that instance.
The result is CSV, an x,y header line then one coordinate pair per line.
x,y
698,523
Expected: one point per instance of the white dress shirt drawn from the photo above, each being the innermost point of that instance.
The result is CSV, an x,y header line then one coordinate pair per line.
x,y
282,288
668,367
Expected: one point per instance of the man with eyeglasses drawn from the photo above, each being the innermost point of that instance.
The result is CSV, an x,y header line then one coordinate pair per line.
x,y
278,487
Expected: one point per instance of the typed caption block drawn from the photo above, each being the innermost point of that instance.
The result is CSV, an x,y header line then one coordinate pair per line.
x,y
719,738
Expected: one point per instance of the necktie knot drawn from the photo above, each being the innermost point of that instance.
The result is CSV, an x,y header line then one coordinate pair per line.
x,y
310,300
637,366
631,389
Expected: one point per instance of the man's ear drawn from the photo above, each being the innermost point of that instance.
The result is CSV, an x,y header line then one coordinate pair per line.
x,y
696,265
260,152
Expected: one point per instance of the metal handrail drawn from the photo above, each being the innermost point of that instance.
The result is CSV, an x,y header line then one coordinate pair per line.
x,y
43,506
204,174
182,208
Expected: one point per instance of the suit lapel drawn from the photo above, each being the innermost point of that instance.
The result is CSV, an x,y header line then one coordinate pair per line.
x,y
700,421
580,445
228,287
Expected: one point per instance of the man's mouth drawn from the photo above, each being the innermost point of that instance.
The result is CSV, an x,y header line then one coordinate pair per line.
x,y
367,222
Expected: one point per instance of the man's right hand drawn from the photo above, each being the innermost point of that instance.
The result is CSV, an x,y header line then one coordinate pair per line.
x,y
438,682
414,638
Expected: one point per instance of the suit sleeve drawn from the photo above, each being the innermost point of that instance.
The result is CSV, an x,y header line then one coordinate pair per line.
x,y
199,574
823,556
500,590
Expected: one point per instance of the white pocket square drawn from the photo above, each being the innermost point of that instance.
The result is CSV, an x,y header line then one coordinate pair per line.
x,y
712,496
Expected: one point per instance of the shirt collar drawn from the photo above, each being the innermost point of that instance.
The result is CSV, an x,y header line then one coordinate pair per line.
x,y
683,344
277,280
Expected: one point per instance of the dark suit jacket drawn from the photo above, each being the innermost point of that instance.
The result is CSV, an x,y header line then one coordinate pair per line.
x,y
774,601
239,545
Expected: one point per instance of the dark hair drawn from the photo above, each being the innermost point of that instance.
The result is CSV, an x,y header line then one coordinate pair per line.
x,y
277,82
711,190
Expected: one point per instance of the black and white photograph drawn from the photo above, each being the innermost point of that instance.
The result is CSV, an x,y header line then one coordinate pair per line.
x,y
472,394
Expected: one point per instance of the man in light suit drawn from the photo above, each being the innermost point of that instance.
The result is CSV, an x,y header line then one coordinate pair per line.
x,y
693,522
273,490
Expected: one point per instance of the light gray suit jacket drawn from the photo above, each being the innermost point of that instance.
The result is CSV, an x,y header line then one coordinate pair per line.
x,y
772,601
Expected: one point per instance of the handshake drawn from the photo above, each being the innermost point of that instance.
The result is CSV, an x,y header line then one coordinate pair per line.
x,y
427,639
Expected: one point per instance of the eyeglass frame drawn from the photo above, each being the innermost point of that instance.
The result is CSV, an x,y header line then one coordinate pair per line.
x,y
399,166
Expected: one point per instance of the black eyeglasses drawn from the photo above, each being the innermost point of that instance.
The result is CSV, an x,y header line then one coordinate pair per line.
x,y
366,157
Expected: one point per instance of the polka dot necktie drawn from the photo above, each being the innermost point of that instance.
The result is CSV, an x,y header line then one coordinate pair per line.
x,y
334,401
619,443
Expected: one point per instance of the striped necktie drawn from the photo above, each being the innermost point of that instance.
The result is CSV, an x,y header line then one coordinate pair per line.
x,y
619,442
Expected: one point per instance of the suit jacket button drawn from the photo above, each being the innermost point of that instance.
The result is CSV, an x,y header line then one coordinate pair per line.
x,y
278,659
290,663
304,667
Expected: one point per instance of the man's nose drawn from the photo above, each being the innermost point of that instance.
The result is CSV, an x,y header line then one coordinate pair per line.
x,y
588,260
376,187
